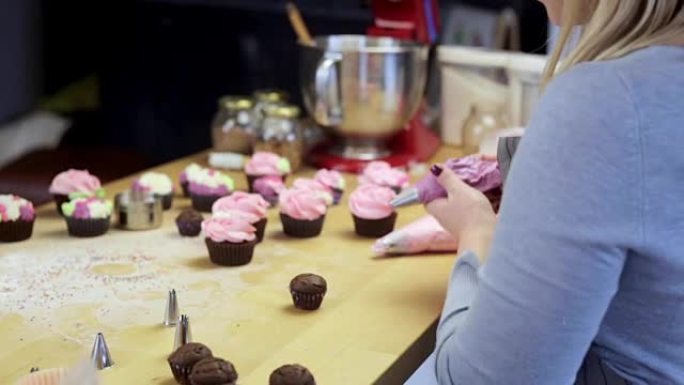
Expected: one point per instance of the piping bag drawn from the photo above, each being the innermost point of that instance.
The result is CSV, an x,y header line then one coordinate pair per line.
x,y
482,174
422,235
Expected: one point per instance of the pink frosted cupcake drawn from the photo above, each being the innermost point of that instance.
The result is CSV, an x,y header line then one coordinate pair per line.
x,y
250,207
73,184
333,180
16,218
230,241
314,185
87,217
269,187
190,172
207,187
302,212
382,174
266,164
373,215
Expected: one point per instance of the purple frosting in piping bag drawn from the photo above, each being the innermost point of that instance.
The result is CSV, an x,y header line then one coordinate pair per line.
x,y
482,174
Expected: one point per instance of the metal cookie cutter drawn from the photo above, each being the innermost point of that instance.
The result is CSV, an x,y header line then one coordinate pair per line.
x,y
138,210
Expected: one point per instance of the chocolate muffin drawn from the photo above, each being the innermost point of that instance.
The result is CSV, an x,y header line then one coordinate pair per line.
x,y
213,371
308,291
189,223
184,359
291,375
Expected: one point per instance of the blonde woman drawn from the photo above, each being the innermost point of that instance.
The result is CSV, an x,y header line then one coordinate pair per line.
x,y
584,279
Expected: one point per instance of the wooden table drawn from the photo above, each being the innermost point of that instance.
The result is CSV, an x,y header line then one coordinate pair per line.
x,y
376,324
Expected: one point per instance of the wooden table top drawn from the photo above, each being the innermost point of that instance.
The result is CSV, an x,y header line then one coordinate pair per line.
x,y
376,324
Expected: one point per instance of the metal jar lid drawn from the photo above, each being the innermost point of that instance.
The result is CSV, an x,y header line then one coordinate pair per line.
x,y
234,102
286,111
271,96
138,210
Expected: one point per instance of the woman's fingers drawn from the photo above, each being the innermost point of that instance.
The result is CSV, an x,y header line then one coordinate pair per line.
x,y
450,181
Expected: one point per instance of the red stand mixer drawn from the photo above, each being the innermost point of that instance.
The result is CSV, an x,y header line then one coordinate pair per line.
x,y
368,90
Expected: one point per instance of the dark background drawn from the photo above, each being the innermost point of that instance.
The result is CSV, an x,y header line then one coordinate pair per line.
x,y
162,64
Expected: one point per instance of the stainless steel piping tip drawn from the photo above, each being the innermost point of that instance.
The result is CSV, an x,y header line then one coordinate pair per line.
x,y
407,197
171,313
100,356
183,334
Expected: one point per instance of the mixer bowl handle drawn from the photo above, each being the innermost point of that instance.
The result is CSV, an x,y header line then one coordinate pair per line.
x,y
328,95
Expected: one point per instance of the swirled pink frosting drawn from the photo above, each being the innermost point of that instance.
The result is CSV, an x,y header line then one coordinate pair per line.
x,y
371,202
330,178
269,185
237,214
73,181
382,174
264,163
302,204
314,185
250,203
233,230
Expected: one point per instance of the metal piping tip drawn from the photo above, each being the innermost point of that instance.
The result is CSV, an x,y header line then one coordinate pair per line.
x,y
407,197
100,356
171,314
183,334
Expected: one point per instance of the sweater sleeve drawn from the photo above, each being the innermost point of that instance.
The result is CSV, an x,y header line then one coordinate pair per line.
x,y
570,214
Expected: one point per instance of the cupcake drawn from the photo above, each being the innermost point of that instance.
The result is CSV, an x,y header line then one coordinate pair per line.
x,y
314,185
291,375
189,223
269,187
230,241
190,172
333,180
308,291
302,212
373,215
213,371
87,217
16,218
382,174
158,184
266,164
253,206
184,358
73,184
207,187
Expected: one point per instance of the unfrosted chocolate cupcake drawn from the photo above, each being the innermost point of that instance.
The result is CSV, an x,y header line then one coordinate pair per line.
x,y
213,371
291,375
189,223
308,291
184,359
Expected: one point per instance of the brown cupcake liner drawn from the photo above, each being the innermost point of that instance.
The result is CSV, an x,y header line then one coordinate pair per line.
x,y
230,254
301,228
374,228
16,231
185,187
167,201
307,301
181,373
260,229
252,178
59,199
85,228
203,203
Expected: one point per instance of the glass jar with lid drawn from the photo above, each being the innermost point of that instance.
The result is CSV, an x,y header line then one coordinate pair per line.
x,y
265,98
233,127
280,132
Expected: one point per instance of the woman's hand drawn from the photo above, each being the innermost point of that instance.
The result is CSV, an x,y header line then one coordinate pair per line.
x,y
465,213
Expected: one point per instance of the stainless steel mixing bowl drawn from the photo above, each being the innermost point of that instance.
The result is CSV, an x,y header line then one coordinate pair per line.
x,y
363,89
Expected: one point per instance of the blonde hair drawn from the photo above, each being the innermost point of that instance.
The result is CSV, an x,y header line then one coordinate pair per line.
x,y
615,28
